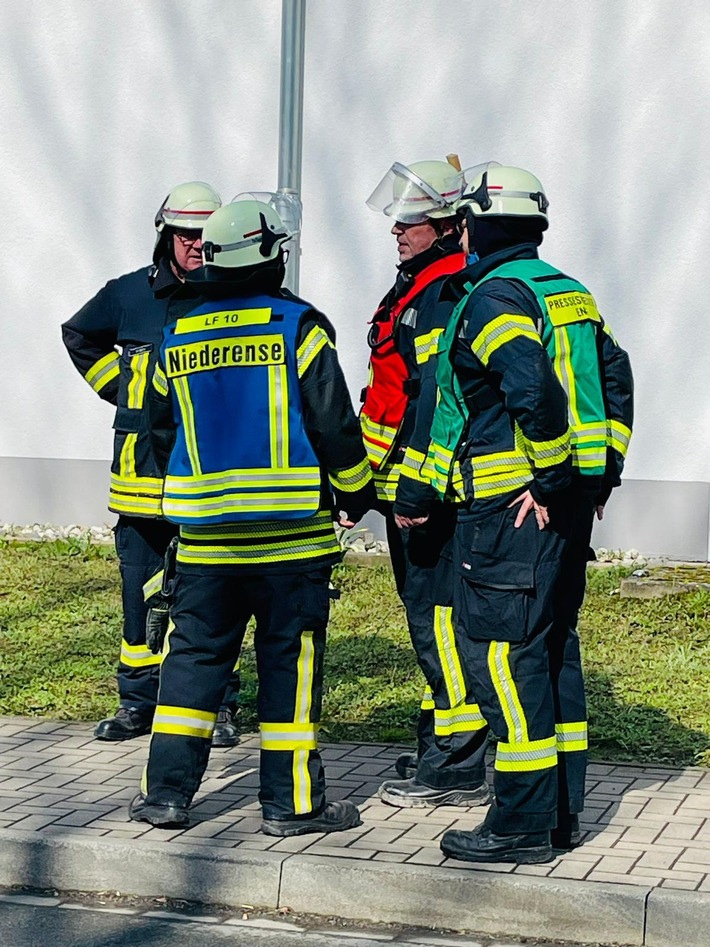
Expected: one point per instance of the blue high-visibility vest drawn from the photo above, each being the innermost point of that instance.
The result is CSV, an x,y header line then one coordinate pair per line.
x,y
241,452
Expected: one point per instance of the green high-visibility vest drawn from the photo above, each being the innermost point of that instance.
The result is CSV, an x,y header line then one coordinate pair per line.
x,y
568,324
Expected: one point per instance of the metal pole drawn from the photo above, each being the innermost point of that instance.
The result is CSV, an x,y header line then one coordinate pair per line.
x,y
293,35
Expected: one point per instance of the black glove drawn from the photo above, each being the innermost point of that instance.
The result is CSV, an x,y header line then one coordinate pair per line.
x,y
156,626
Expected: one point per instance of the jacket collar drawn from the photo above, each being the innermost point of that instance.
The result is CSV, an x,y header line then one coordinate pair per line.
x,y
454,287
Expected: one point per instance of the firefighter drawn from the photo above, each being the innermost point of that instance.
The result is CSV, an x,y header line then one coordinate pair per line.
x,y
449,767
536,404
253,427
113,342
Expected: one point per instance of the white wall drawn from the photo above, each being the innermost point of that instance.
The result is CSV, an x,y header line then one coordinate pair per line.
x,y
107,104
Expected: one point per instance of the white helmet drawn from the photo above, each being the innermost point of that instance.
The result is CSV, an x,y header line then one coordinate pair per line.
x,y
244,233
187,206
417,192
493,190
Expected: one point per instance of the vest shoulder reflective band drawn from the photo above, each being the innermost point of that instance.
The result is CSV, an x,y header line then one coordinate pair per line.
x,y
570,322
241,451
386,397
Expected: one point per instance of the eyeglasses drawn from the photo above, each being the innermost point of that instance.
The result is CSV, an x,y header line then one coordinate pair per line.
x,y
188,236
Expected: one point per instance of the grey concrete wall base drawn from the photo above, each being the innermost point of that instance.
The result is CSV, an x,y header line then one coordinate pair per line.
x,y
465,899
146,869
680,918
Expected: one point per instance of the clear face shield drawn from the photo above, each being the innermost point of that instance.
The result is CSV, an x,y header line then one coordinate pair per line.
x,y
404,196
287,205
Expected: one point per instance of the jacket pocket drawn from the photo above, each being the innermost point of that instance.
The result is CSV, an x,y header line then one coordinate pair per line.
x,y
127,420
492,597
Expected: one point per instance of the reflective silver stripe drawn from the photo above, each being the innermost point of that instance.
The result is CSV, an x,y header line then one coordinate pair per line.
x,y
184,720
295,476
502,684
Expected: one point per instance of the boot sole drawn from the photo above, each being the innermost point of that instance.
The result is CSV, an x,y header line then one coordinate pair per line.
x,y
288,830
160,821
464,798
120,739
522,856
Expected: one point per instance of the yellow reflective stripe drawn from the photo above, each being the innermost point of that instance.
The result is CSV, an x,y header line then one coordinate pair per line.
x,y
160,382
307,351
448,655
139,378
184,721
504,461
572,737
153,585
563,368
412,464
611,335
138,655
278,415
378,439
145,486
502,329
265,502
507,692
182,390
279,541
127,458
494,485
296,552
352,478
126,503
302,800
249,477
526,755
465,718
386,480
288,736
548,453
618,436
426,346
427,699
103,371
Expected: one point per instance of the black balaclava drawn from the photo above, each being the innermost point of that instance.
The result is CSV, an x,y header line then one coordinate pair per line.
x,y
216,282
491,234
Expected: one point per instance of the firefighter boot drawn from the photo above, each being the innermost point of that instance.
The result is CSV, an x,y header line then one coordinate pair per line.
x,y
225,732
406,765
335,817
410,794
567,834
127,724
163,816
483,845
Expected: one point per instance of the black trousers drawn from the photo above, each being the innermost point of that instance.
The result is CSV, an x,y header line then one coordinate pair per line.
x,y
565,657
141,544
452,732
210,613
521,659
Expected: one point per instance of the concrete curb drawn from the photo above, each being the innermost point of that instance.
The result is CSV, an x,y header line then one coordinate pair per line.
x,y
458,897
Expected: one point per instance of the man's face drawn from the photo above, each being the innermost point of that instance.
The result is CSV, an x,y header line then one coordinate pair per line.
x,y
413,238
187,247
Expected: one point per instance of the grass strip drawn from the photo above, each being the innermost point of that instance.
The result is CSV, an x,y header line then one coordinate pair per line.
x,y
646,660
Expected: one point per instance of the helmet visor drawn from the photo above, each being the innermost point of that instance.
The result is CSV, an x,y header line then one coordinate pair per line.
x,y
407,198
287,205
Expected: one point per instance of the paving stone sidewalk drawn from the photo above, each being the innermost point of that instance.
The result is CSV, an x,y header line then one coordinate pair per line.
x,y
644,825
